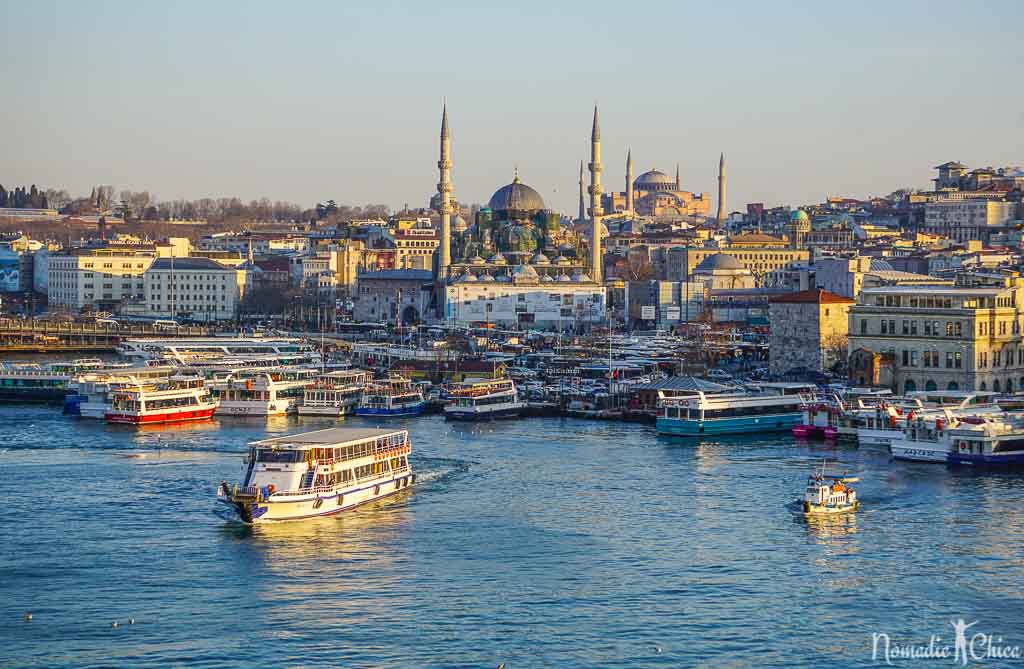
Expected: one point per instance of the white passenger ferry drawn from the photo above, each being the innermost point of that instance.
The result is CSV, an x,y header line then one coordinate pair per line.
x,y
195,349
995,440
180,399
271,392
775,408
484,400
932,436
318,473
334,394
395,396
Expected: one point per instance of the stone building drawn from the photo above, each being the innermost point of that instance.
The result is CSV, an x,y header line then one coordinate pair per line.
x,y
392,296
808,331
962,337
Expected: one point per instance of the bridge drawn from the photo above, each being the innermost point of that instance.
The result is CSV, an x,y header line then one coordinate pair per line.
x,y
32,335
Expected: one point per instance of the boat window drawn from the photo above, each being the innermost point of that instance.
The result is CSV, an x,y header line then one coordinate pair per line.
x,y
270,455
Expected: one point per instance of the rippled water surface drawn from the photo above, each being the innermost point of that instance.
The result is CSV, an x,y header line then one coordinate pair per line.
x,y
538,543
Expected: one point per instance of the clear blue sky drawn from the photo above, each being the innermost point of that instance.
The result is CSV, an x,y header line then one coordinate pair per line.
x,y
306,101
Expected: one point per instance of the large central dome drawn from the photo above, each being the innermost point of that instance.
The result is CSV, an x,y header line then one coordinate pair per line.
x,y
516,196
654,180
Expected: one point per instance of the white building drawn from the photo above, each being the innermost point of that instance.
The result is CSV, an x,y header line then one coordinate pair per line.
x,y
527,300
196,288
969,219
97,277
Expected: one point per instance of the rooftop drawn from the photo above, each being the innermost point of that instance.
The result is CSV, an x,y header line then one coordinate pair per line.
x,y
329,436
204,264
399,274
818,296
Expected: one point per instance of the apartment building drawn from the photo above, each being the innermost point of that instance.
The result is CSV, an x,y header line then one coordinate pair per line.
x,y
195,288
966,336
99,278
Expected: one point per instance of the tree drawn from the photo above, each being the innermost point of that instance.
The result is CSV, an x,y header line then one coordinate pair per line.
x,y
835,352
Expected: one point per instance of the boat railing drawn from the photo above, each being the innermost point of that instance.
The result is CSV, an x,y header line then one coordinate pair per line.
x,y
333,488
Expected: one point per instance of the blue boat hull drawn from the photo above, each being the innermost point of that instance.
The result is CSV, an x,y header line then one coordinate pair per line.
x,y
737,425
1007,460
411,410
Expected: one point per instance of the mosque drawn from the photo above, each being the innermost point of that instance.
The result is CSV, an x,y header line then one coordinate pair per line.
x,y
655,194
516,264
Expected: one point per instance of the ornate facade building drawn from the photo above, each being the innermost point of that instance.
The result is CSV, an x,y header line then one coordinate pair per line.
x,y
657,195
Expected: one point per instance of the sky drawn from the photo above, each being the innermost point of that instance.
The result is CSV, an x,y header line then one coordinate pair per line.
x,y
309,101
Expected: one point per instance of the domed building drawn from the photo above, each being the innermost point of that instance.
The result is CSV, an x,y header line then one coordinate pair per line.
x,y
722,271
798,228
655,194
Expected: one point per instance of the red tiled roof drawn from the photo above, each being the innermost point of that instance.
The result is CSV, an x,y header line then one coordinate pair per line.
x,y
818,296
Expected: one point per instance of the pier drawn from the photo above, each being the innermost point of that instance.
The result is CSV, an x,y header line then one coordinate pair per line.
x,y
47,336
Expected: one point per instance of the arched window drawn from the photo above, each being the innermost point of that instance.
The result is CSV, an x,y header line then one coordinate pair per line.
x,y
1009,385
909,386
983,386
930,385
953,385
995,385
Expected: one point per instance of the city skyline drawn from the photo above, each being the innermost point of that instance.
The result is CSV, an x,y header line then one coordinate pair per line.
x,y
215,104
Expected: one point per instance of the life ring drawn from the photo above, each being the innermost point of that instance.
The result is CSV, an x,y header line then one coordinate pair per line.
x,y
270,489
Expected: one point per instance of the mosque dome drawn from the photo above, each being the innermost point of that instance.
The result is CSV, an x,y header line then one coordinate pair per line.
x,y
546,279
563,278
540,259
516,196
498,259
581,278
469,277
718,262
562,260
799,215
487,277
525,272
477,260
654,180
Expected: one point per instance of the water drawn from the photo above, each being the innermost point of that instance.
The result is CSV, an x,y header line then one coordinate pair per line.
x,y
539,543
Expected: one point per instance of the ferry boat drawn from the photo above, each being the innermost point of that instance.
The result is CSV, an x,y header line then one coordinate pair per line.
x,y
31,382
91,395
828,494
395,396
181,399
932,436
484,400
194,349
819,418
318,473
885,423
734,413
272,392
993,441
334,394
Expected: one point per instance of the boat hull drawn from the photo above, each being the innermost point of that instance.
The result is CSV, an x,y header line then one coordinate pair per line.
x,y
879,438
980,460
316,505
159,418
736,425
40,395
829,510
471,416
335,412
412,410
278,408
916,453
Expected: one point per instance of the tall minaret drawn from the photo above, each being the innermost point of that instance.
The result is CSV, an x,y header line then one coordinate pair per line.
x,y
444,189
629,182
679,184
583,202
721,191
595,199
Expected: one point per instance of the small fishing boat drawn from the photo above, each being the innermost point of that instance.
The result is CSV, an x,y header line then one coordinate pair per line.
x,y
828,494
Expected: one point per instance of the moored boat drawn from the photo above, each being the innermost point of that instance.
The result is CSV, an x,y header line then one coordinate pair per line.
x,y
264,392
992,441
395,396
735,413
318,473
180,399
334,394
484,400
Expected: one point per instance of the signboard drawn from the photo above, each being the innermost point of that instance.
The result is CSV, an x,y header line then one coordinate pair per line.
x,y
672,313
647,313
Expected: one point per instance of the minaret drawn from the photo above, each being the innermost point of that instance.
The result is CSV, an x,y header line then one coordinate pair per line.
x,y
721,190
583,203
629,182
444,189
679,184
595,199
